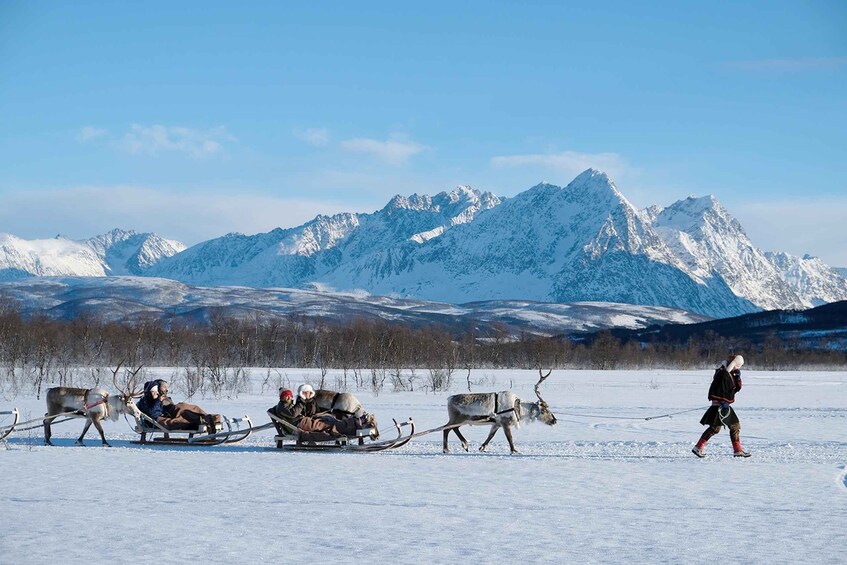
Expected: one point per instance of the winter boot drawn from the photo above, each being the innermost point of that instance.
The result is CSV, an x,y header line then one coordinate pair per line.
x,y
699,449
738,451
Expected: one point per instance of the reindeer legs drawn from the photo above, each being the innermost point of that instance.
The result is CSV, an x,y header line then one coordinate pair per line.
x,y
48,433
445,448
99,427
493,431
508,431
79,441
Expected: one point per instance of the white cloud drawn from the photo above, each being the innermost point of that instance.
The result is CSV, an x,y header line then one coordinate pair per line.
x,y
318,137
187,217
567,162
150,140
89,133
817,226
395,151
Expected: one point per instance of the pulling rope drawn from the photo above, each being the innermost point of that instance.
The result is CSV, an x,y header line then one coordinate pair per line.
x,y
647,418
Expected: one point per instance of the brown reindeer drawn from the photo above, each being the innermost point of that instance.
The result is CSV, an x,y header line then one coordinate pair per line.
x,y
94,404
500,409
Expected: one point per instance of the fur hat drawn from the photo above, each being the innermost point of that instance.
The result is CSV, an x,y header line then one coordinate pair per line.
x,y
305,389
734,362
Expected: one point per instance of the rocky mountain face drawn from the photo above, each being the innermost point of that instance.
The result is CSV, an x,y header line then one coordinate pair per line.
x,y
582,242
312,253
130,253
815,282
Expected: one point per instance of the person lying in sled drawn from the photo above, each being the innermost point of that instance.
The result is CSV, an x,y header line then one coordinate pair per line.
x,y
156,403
313,424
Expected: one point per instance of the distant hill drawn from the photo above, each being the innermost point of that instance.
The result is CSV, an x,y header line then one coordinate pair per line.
x,y
131,299
824,327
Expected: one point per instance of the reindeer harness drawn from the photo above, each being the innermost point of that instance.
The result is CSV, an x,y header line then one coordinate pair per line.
x,y
506,411
88,406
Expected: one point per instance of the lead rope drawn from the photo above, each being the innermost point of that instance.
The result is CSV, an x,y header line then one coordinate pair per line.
x,y
668,415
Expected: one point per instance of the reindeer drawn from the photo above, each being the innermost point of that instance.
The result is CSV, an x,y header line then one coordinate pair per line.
x,y
500,409
341,405
92,403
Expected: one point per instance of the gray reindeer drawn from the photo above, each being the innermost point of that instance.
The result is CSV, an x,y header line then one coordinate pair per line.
x,y
499,409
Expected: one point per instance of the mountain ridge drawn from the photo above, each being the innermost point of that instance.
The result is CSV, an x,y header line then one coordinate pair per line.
x,y
581,242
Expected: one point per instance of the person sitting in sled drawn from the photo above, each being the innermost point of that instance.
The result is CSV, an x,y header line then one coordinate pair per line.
x,y
725,384
312,424
156,404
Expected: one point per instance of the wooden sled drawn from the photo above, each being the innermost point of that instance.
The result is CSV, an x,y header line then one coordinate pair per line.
x,y
153,433
290,438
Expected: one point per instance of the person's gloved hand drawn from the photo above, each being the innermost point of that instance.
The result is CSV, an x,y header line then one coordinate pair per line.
x,y
724,405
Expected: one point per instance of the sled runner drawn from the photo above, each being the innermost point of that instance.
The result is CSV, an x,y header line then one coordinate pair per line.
x,y
8,421
290,438
154,433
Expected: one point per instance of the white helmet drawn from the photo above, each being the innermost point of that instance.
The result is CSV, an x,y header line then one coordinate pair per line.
x,y
305,391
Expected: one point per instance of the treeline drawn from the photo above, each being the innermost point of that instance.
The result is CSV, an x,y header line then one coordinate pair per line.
x,y
213,358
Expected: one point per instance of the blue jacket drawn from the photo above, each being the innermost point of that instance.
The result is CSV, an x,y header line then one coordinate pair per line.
x,y
149,405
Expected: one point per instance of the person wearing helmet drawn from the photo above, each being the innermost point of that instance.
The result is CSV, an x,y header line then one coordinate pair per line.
x,y
725,384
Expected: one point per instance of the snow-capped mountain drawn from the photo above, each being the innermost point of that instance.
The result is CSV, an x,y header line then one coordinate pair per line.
x,y
117,252
130,253
312,252
712,244
56,257
582,242
814,281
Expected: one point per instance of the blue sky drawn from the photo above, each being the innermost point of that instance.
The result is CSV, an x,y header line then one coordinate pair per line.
x,y
194,119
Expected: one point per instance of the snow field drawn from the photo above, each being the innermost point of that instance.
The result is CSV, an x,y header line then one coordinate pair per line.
x,y
593,489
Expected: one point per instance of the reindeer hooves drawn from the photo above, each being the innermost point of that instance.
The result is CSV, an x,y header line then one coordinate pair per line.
x,y
483,448
465,447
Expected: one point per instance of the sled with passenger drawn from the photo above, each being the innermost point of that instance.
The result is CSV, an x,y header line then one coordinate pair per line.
x,y
161,421
229,430
290,438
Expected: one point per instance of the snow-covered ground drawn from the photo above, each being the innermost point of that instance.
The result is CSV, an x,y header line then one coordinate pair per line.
x,y
603,486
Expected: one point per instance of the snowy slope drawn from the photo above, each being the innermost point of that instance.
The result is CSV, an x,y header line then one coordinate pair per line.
x,y
602,486
47,257
302,255
117,252
134,298
131,253
712,243
814,281
584,242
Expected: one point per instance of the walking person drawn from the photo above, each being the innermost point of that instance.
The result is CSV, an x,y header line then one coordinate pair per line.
x,y
725,384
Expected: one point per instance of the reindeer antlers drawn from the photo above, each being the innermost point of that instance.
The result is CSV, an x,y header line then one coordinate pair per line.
x,y
130,389
541,380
